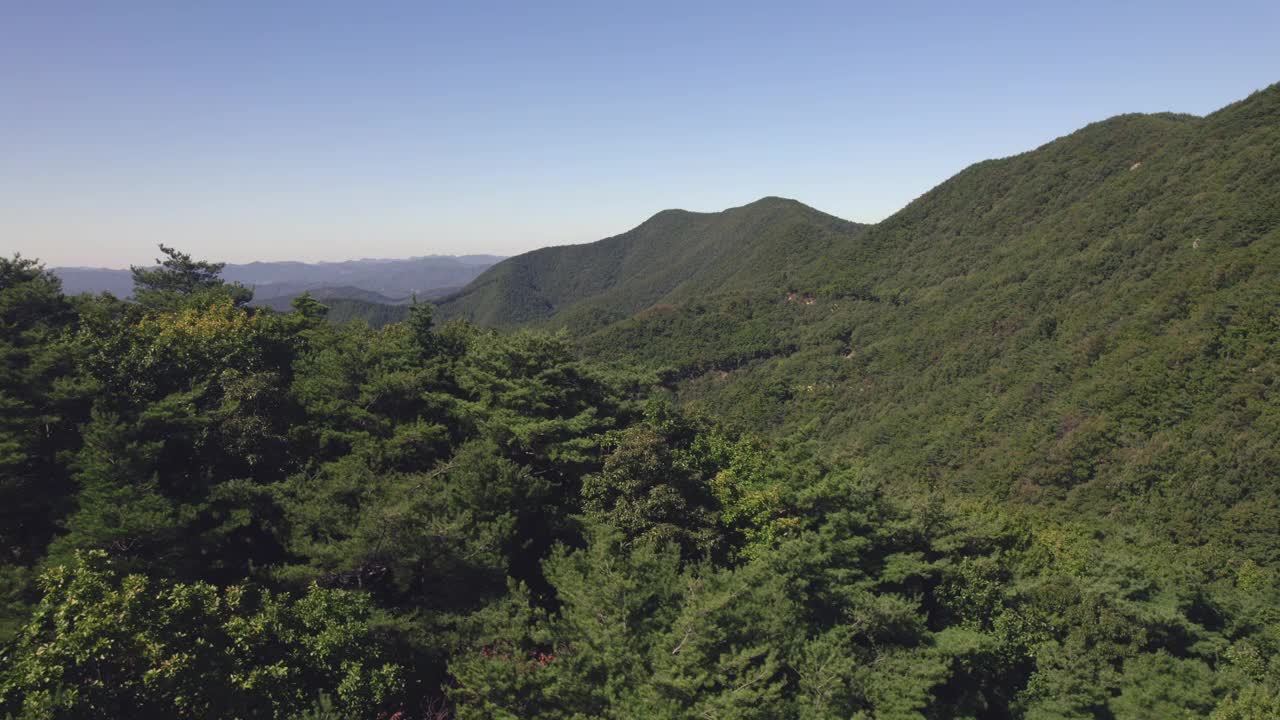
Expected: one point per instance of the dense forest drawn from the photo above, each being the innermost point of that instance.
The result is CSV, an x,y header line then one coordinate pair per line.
x,y
1011,453
1088,328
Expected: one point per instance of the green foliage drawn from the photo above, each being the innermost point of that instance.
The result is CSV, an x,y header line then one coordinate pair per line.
x,y
34,406
41,402
178,280
675,256
675,479
309,307
646,492
103,646
868,609
1089,328
375,315
1008,454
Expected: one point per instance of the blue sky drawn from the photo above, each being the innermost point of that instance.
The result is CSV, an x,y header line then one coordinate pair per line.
x,y
323,131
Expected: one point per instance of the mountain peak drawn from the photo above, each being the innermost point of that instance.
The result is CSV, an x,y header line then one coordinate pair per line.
x,y
673,256
775,201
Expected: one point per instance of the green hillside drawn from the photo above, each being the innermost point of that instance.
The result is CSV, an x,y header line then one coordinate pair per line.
x,y
1090,326
377,315
347,304
282,303
674,256
1009,455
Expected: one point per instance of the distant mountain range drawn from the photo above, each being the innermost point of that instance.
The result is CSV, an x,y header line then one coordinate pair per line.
x,y
275,284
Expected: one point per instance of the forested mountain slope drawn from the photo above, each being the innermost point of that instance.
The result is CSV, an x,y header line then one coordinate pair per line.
x,y
1009,455
1091,325
673,256
216,510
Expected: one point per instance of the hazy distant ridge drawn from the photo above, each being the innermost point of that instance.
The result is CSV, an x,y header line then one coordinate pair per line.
x,y
393,280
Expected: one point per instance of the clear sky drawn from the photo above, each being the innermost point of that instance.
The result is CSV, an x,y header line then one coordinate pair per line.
x,y
323,130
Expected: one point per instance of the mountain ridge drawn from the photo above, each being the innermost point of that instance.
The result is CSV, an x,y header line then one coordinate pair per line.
x,y
671,255
275,283
1082,326
1011,453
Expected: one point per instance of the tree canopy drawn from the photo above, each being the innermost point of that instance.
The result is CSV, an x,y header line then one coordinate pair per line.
x,y
1009,454
217,510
